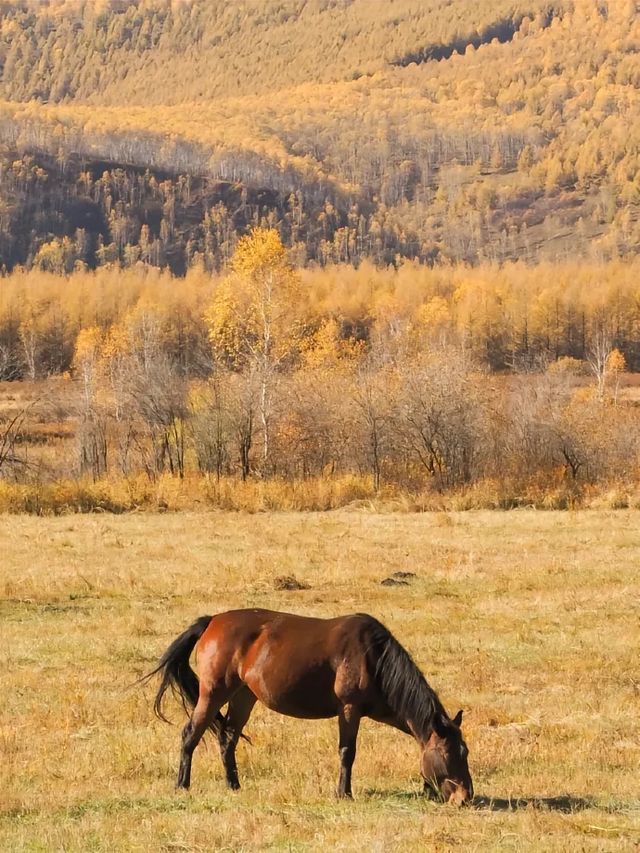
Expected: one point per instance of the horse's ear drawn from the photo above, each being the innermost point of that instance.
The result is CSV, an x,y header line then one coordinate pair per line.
x,y
442,725
457,720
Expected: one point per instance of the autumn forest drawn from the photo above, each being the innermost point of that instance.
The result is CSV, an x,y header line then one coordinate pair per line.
x,y
356,248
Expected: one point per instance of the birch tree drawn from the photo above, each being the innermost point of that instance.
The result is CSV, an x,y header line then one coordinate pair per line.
x,y
253,326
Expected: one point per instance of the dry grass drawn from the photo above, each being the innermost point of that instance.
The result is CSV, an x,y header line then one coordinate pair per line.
x,y
528,620
315,494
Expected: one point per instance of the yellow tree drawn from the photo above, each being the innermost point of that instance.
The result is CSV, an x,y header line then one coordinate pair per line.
x,y
253,323
616,366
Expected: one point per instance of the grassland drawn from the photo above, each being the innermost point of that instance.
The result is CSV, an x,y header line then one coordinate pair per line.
x,y
528,620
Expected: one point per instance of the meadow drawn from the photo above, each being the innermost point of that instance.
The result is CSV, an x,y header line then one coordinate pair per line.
x,y
528,620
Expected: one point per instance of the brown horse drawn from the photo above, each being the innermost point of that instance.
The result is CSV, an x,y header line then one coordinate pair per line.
x,y
350,667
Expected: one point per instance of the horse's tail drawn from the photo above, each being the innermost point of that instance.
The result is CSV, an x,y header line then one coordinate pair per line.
x,y
176,673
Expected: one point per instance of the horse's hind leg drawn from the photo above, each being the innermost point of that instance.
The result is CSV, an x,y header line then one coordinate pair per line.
x,y
208,705
349,723
240,708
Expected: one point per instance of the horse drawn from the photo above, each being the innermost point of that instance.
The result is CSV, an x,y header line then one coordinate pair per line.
x,y
350,667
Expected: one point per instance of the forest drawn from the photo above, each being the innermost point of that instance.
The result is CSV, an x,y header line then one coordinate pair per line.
x,y
455,131
423,379
401,247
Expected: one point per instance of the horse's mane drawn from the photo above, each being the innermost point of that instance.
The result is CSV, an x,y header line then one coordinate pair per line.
x,y
403,686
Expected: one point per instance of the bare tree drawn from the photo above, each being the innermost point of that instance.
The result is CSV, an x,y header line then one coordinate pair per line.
x,y
372,398
11,431
598,356
212,426
441,418
159,393
243,406
92,428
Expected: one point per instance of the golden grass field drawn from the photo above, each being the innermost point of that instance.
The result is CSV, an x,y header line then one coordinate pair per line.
x,y
527,620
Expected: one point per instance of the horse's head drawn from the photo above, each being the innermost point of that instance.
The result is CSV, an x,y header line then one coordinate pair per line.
x,y
444,762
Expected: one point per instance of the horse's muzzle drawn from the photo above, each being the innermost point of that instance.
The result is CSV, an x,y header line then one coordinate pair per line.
x,y
460,797
456,794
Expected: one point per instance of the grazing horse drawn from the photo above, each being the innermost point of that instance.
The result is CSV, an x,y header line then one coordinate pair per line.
x,y
350,667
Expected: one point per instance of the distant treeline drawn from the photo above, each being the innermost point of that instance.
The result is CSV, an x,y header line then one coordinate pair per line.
x,y
512,317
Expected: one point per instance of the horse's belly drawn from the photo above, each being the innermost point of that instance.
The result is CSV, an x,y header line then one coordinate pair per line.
x,y
309,694
292,705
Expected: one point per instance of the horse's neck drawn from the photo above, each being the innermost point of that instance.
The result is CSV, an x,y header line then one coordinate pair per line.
x,y
414,705
419,726
403,725
391,719
417,730
420,732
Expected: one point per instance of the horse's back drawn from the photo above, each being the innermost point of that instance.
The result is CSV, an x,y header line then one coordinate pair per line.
x,y
250,620
285,632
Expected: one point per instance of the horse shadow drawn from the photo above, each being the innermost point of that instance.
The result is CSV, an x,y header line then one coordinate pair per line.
x,y
564,803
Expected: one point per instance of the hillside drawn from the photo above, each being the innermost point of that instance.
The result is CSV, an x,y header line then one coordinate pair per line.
x,y
444,130
119,52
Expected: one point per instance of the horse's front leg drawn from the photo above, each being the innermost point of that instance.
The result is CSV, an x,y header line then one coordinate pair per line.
x,y
348,723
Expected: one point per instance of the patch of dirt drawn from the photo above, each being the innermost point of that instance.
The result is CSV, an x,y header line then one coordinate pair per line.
x,y
289,582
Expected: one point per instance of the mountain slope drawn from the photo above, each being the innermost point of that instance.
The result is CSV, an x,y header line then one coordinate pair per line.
x,y
524,147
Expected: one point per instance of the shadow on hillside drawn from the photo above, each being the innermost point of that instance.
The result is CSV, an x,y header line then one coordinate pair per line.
x,y
563,803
